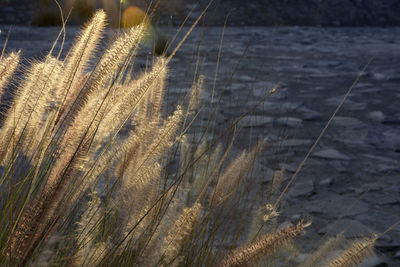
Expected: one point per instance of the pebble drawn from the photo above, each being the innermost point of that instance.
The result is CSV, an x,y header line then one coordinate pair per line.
x,y
376,116
326,181
397,255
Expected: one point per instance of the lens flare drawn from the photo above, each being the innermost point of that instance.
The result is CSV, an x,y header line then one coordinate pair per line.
x,y
133,16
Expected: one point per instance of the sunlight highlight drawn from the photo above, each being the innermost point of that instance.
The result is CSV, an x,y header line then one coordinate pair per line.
x,y
133,16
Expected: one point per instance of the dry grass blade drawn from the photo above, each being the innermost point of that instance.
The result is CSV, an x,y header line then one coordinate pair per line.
x,y
355,254
247,255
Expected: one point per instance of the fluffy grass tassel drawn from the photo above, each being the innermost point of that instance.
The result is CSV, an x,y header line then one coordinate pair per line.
x,y
355,254
249,254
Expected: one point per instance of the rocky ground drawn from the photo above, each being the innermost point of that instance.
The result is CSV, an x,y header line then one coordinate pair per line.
x,y
253,12
302,12
351,182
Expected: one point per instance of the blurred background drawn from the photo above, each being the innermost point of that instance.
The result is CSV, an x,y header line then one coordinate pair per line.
x,y
252,12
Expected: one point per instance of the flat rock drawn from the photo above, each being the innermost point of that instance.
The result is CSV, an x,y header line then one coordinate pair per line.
x,y
309,114
347,122
340,165
381,159
301,189
294,142
351,228
255,121
288,167
355,136
336,100
276,108
337,205
326,181
389,198
391,139
374,261
356,107
290,106
331,153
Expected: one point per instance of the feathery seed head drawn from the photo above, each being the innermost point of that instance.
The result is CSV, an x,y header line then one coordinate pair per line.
x,y
79,56
30,103
179,231
195,94
8,66
355,254
236,171
270,213
267,244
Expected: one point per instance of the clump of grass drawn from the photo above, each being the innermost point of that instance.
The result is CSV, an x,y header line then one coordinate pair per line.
x,y
85,150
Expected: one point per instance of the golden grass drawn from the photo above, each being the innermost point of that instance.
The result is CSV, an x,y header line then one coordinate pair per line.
x,y
246,255
77,191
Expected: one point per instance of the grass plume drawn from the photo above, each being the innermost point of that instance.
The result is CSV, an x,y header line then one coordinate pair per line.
x,y
355,254
8,66
96,168
267,244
